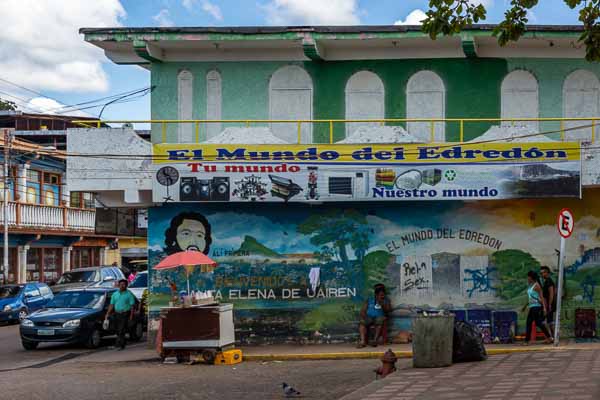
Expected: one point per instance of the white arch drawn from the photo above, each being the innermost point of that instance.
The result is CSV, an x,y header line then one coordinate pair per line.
x,y
426,98
185,104
365,99
290,97
213,102
581,99
519,98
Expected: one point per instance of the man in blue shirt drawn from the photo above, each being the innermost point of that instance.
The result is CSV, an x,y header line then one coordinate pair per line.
x,y
122,304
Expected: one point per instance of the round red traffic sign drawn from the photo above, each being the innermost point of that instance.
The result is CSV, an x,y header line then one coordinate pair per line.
x,y
565,222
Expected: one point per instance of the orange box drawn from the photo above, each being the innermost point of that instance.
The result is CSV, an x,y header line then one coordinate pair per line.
x,y
229,357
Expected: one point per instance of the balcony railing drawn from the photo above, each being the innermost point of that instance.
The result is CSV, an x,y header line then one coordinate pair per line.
x,y
44,217
453,129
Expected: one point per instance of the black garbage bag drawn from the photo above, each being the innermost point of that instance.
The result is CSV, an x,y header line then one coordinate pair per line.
x,y
468,343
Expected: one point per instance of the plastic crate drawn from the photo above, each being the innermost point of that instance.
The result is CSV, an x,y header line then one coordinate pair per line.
x,y
585,323
459,315
483,319
504,326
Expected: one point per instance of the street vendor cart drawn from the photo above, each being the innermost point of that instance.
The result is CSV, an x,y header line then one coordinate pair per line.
x,y
198,325
204,330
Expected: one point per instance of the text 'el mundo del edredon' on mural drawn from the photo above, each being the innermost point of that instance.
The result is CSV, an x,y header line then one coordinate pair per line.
x,y
335,173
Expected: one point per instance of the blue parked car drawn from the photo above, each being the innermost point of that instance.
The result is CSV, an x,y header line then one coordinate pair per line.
x,y
18,301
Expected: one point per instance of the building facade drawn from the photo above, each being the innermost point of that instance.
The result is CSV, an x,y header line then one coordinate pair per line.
x,y
51,229
298,264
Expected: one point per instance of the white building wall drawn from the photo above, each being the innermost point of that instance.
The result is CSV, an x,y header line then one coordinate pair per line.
x,y
426,98
520,99
365,99
213,103
185,105
118,181
581,98
290,98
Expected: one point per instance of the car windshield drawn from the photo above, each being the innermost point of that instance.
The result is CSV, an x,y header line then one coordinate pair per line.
x,y
9,291
78,277
140,281
77,300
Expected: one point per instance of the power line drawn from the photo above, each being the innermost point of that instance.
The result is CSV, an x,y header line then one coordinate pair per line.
x,y
73,107
97,100
28,89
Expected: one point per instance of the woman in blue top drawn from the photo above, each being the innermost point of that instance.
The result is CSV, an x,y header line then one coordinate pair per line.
x,y
374,312
537,308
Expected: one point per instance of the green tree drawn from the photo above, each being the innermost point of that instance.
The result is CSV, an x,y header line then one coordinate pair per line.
x,y
7,105
338,228
448,17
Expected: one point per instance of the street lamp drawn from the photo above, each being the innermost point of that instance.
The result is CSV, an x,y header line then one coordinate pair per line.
x,y
7,144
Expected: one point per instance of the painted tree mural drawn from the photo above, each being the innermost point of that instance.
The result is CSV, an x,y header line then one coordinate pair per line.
x,y
512,267
339,229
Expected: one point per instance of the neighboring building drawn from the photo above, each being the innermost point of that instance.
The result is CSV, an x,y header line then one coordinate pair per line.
x,y
51,130
43,129
51,229
292,270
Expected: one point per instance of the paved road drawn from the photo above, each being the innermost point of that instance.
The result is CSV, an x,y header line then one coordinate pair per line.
x,y
78,379
13,356
568,374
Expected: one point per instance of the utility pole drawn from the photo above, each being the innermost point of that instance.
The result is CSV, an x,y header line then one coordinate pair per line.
x,y
7,140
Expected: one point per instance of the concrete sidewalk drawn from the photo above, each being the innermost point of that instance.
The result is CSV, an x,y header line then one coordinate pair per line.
x,y
562,374
287,352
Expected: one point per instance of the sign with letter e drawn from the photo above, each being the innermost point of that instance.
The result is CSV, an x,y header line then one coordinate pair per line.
x,y
565,222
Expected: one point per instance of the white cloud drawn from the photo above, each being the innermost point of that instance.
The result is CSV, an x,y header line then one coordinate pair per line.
x,y
312,12
189,4
163,18
40,46
212,9
45,105
414,18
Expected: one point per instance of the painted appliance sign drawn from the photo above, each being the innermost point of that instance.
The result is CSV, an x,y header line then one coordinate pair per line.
x,y
320,173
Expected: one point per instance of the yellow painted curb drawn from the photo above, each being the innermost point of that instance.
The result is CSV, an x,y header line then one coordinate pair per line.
x,y
375,354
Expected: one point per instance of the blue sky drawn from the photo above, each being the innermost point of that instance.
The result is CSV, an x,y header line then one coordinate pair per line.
x,y
46,55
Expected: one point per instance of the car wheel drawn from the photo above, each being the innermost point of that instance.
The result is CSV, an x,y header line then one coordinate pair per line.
x,y
137,332
93,340
29,345
23,314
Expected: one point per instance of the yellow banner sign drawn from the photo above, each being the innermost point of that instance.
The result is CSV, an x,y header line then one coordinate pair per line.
x,y
438,153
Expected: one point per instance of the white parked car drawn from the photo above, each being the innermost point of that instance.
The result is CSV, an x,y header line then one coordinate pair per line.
x,y
139,284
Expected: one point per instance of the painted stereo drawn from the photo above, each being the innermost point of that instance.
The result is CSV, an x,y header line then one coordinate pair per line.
x,y
194,189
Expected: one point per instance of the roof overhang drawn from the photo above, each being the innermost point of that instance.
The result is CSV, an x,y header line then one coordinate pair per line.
x,y
144,46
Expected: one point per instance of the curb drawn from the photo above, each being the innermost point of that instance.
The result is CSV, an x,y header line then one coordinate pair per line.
x,y
375,354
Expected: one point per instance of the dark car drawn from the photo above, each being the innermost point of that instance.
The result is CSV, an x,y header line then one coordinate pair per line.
x,y
90,277
17,301
75,316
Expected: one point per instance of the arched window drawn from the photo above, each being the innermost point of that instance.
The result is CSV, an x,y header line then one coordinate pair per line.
x,y
185,87
290,98
581,91
520,98
365,99
426,98
213,103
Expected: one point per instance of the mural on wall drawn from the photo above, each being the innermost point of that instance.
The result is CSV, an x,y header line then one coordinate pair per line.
x,y
297,271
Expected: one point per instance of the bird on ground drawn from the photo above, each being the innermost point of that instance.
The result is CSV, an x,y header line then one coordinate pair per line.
x,y
289,391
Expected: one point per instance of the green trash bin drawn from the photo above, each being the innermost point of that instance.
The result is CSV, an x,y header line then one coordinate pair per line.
x,y
432,340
